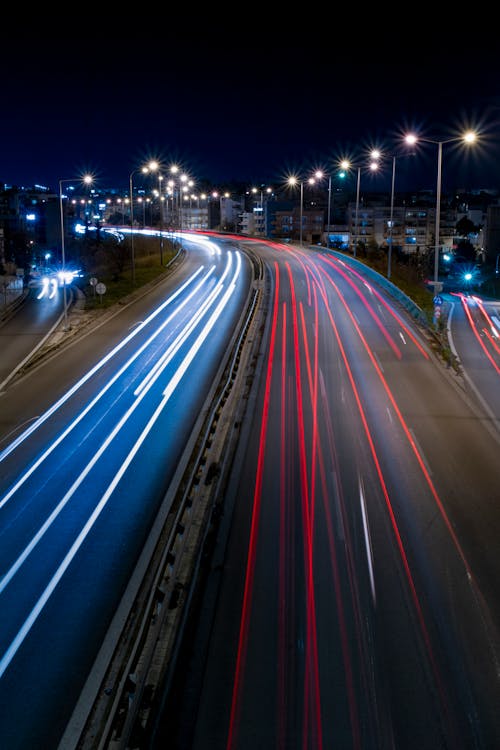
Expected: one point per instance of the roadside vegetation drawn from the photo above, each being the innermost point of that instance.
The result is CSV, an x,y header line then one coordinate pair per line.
x,y
110,263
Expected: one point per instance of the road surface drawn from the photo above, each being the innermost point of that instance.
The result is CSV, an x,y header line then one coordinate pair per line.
x,y
352,599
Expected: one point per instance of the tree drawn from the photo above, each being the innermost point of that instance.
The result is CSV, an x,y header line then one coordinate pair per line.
x,y
465,227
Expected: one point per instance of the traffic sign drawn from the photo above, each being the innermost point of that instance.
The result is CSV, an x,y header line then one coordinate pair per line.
x,y
438,300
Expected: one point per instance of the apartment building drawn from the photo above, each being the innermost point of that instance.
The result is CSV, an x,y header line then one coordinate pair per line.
x,y
409,226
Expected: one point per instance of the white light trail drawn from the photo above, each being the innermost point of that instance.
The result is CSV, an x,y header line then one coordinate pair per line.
x,y
368,544
12,446
159,366
43,457
70,555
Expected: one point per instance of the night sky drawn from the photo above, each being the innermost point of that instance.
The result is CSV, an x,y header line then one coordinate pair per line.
x,y
229,96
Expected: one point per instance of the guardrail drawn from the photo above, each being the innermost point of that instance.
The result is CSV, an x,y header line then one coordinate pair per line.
x,y
145,658
414,310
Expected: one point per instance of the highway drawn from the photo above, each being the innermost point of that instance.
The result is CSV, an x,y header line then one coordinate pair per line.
x,y
352,598
90,442
474,330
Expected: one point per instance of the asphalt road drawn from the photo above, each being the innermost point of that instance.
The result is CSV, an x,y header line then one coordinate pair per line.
x,y
90,439
29,324
474,334
352,599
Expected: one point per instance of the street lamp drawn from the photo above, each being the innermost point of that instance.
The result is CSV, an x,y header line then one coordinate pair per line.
x,y
262,227
153,166
468,138
319,176
391,219
373,166
87,180
144,170
293,182
185,183
143,204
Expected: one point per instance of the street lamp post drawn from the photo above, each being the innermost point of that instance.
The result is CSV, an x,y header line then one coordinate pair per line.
x,y
143,204
293,181
358,181
319,176
87,179
390,236
263,221
391,220
160,178
373,166
144,170
468,137
329,208
301,210
132,251
153,166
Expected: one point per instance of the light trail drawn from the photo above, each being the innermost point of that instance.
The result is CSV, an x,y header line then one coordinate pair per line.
x,y
43,457
12,446
252,544
312,701
163,361
473,326
390,509
388,307
56,578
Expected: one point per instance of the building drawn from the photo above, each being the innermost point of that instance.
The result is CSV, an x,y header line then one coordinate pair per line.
x,y
31,218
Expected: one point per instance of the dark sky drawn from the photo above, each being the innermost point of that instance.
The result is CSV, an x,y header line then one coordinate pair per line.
x,y
230,96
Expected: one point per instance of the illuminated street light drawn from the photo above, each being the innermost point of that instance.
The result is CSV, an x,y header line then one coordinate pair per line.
x,y
260,190
373,166
153,166
179,190
87,180
293,181
391,219
262,228
468,138
144,170
319,175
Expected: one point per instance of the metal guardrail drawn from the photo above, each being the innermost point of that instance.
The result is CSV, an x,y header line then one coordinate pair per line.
x,y
381,281
11,297
148,649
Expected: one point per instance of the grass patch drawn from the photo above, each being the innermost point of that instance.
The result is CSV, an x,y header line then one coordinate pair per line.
x,y
119,285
